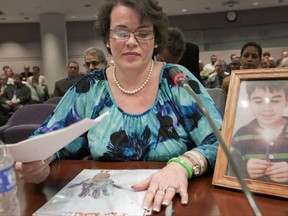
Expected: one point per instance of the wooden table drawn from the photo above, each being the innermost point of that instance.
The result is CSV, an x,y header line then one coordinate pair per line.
x,y
204,198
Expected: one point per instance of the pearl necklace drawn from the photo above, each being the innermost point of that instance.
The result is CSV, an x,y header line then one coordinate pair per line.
x,y
131,92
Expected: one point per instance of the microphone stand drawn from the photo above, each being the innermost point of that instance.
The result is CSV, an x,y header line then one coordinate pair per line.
x,y
181,81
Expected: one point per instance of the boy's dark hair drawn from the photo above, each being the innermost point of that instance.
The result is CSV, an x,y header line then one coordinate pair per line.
x,y
270,85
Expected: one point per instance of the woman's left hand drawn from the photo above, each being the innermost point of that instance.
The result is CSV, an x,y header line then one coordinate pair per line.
x,y
163,186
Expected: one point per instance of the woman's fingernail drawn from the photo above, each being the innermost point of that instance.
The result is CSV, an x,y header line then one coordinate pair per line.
x,y
165,203
156,210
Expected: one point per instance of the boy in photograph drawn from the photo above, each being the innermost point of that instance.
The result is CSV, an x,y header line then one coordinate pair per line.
x,y
261,146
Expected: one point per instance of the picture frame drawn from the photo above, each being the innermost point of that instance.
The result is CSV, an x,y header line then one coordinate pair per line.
x,y
233,121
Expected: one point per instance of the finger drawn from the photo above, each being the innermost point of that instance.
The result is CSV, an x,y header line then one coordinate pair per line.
x,y
170,193
27,167
48,160
158,199
142,185
38,177
149,196
184,196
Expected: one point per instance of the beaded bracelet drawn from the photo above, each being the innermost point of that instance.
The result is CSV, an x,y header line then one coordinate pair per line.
x,y
184,164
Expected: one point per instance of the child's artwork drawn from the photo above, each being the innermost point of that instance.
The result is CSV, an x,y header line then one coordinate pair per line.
x,y
99,192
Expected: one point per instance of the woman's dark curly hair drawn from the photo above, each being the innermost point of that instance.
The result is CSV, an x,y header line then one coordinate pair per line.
x,y
149,11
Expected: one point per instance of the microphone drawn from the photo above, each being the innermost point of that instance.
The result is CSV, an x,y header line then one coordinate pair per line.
x,y
180,79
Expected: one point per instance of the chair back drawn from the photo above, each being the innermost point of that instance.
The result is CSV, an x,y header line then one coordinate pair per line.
x,y
31,114
218,96
53,100
24,122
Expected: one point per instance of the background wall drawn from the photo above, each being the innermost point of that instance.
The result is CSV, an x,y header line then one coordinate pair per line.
x,y
21,43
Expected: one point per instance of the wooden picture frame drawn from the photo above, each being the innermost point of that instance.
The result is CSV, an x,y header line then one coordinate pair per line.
x,y
221,175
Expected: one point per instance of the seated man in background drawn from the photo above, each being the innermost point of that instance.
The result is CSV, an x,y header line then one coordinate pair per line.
x,y
15,96
37,91
215,79
26,73
94,59
39,82
210,67
234,65
62,86
3,83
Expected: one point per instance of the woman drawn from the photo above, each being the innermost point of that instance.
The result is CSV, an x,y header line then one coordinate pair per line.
x,y
250,58
149,119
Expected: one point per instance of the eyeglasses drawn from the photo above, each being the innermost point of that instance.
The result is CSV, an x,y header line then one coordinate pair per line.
x,y
94,63
73,67
140,35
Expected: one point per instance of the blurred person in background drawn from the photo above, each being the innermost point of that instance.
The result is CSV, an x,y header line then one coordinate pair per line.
x,y
62,86
15,96
40,81
178,51
26,73
94,59
250,57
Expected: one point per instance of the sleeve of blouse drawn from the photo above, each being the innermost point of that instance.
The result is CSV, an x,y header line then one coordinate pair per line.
x,y
64,115
201,132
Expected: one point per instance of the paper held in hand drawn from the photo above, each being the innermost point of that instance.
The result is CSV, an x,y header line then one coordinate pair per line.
x,y
43,146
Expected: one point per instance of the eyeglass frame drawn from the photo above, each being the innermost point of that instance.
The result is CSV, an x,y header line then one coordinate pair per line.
x,y
94,64
135,34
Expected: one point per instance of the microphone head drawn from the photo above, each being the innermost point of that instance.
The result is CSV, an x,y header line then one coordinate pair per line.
x,y
177,76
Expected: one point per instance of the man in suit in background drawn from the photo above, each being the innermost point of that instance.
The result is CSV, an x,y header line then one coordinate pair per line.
x,y
15,96
62,86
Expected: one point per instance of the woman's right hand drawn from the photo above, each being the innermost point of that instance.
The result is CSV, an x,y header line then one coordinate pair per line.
x,y
34,172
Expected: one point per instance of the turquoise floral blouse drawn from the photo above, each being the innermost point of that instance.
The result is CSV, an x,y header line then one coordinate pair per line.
x,y
173,125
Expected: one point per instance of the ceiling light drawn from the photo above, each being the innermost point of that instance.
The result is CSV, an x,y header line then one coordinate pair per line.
x,y
255,3
184,10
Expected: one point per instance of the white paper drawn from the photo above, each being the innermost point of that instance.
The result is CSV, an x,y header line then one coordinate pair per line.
x,y
114,195
43,146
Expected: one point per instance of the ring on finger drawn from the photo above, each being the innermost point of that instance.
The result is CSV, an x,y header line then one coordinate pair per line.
x,y
174,188
162,189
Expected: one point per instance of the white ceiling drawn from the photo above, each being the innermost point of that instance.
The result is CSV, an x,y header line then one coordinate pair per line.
x,y
18,11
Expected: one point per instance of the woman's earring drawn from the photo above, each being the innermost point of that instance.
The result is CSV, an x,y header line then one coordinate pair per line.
x,y
155,46
107,45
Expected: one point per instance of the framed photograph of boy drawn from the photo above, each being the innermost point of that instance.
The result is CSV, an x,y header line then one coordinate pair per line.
x,y
255,130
